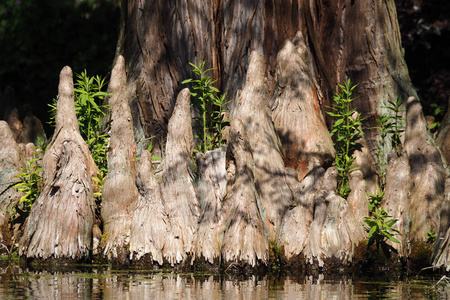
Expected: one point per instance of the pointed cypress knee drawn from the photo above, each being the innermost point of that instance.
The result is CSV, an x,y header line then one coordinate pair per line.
x,y
61,220
119,190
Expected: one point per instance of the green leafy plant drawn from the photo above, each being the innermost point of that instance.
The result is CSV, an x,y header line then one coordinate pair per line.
x,y
90,111
346,132
380,224
437,112
380,230
98,184
431,236
209,105
393,125
375,199
30,183
149,149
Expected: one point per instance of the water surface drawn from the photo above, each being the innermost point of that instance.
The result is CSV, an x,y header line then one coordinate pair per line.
x,y
107,283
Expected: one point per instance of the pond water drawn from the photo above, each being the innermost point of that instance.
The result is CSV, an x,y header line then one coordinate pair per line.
x,y
107,283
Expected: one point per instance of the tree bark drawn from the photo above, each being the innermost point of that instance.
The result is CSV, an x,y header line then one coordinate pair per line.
x,y
427,174
150,224
361,41
119,190
61,220
398,203
245,243
168,197
252,109
296,109
177,185
211,191
11,162
280,185
161,38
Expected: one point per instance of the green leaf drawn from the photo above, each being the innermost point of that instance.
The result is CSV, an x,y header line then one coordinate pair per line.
x,y
372,231
391,237
211,88
434,125
370,222
391,222
353,169
338,122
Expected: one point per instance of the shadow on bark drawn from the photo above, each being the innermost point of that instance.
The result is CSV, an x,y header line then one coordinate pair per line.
x,y
60,223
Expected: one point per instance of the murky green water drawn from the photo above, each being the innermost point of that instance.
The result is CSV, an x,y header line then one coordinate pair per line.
x,y
17,283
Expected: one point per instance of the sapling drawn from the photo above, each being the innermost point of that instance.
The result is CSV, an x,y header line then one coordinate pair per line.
x,y
391,127
89,109
30,182
209,105
346,132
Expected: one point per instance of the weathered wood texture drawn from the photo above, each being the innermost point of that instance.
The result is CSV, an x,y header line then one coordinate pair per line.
x,y
166,217
252,109
177,183
321,225
245,239
363,180
211,192
426,171
359,40
298,219
296,109
162,37
119,189
11,163
61,220
397,199
150,224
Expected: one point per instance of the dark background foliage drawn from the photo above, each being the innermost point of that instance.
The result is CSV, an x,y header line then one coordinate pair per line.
x,y
425,30
39,37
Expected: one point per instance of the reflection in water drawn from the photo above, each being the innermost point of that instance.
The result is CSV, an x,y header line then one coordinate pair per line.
x,y
136,284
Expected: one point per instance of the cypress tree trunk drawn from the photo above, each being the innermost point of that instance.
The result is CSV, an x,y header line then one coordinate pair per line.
x,y
61,220
119,190
11,162
331,42
280,63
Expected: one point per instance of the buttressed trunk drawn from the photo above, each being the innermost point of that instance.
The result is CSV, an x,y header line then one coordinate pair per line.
x,y
61,220
162,37
346,39
359,40
279,61
119,190
11,162
306,48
